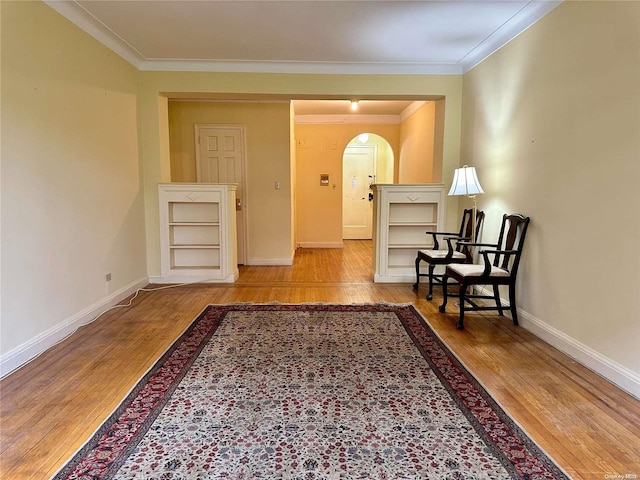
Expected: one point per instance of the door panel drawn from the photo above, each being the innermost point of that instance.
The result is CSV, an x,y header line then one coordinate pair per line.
x,y
358,172
220,159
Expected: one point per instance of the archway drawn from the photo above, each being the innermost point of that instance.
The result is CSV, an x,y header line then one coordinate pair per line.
x,y
367,159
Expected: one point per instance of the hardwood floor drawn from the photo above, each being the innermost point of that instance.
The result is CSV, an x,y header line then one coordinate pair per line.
x,y
52,405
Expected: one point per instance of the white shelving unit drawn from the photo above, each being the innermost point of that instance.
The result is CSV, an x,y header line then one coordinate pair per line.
x,y
402,215
198,232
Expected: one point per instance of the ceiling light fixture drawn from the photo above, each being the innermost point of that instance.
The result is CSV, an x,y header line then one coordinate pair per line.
x,y
354,105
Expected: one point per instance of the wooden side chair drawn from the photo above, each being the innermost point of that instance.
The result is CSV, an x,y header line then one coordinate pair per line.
x,y
445,256
503,271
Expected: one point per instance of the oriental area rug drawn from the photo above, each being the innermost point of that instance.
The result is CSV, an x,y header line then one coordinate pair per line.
x,y
309,392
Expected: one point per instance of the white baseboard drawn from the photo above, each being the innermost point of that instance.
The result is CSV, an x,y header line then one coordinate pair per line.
x,y
396,278
320,245
617,374
614,372
193,278
270,261
22,354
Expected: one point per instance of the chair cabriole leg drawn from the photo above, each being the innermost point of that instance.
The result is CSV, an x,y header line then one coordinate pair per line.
x,y
445,279
430,294
463,294
496,296
512,301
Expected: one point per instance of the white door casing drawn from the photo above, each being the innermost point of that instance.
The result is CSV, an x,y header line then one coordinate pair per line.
x,y
220,158
358,172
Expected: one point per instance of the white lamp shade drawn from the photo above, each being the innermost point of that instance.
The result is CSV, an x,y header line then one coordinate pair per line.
x,y
465,182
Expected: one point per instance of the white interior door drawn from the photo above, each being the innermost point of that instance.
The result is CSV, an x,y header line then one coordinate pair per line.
x,y
220,158
358,172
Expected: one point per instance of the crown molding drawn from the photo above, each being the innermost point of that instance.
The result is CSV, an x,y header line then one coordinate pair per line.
x,y
249,66
524,18
84,20
518,23
77,15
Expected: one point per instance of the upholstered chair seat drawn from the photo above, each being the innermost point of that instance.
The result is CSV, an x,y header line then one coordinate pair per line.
x,y
474,270
442,254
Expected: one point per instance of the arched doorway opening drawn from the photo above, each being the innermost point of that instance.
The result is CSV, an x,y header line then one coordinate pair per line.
x,y
367,159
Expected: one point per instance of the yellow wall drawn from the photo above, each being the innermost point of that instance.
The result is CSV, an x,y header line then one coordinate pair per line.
x,y
417,137
267,160
415,151
438,141
292,178
72,203
319,208
156,86
552,124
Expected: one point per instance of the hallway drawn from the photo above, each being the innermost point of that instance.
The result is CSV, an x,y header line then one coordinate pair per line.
x,y
351,264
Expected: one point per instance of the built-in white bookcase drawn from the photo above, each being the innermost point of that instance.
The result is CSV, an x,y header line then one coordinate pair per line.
x,y
402,215
198,232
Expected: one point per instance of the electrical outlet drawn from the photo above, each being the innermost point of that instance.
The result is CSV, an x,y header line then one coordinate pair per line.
x,y
107,277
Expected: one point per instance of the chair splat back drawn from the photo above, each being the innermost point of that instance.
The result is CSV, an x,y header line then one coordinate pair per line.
x,y
468,230
513,242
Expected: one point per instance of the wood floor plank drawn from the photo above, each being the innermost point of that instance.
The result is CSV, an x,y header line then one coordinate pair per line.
x,y
51,406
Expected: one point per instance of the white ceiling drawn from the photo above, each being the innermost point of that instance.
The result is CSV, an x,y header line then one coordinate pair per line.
x,y
330,36
306,36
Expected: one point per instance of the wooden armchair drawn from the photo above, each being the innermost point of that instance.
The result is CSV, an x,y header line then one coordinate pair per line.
x,y
437,256
503,271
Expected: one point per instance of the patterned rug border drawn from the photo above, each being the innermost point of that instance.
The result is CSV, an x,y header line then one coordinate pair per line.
x,y
477,384
425,339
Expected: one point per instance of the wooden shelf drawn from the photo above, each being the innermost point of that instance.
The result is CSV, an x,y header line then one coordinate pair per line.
x,y
189,246
412,224
402,216
198,232
194,224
